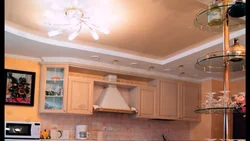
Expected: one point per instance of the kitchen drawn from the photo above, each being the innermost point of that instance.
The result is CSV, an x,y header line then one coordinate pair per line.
x,y
144,105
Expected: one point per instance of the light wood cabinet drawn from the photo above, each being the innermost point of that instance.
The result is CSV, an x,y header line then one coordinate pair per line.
x,y
80,96
168,100
154,99
147,102
189,101
53,88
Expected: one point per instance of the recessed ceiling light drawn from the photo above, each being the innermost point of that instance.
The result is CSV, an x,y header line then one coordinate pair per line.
x,y
151,68
115,62
95,57
167,70
133,64
181,67
182,73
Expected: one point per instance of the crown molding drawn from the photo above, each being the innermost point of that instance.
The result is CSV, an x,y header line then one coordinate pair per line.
x,y
101,66
211,78
104,66
22,57
201,46
220,79
32,35
237,79
114,68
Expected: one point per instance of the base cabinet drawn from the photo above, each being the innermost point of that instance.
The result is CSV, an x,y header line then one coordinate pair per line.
x,y
80,96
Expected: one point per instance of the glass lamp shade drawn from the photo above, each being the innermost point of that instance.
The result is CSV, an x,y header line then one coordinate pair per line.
x,y
236,52
237,10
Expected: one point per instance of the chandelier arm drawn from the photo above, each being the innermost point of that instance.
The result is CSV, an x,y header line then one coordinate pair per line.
x,y
88,26
90,23
65,30
87,23
79,28
57,24
95,25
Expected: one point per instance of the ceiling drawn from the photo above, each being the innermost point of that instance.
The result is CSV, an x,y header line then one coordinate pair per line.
x,y
150,28
157,33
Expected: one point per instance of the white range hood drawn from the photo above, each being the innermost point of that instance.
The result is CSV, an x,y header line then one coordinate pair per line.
x,y
111,100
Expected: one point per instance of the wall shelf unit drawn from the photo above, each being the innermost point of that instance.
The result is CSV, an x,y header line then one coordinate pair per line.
x,y
229,59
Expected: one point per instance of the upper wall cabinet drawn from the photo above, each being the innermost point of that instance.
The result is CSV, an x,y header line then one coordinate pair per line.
x,y
168,100
189,101
80,96
147,101
53,88
65,89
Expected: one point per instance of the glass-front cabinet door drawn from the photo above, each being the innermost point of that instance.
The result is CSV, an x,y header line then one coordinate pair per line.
x,y
53,88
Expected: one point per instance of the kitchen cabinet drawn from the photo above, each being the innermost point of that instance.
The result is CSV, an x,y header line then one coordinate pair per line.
x,y
168,100
189,101
53,88
68,91
147,101
80,96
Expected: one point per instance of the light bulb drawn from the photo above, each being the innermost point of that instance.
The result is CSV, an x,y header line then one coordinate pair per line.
x,y
56,7
54,33
49,14
74,3
17,129
104,30
243,68
73,35
94,35
74,21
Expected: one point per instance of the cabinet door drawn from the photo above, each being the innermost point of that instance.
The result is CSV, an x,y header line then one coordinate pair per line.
x,y
190,97
80,96
168,100
147,101
53,89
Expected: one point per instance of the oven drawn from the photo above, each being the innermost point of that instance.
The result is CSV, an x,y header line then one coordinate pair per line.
x,y
22,131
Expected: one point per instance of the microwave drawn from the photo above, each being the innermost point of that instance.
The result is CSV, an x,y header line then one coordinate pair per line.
x,y
22,130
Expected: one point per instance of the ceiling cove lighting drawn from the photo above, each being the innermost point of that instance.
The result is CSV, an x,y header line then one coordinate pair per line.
x,y
71,18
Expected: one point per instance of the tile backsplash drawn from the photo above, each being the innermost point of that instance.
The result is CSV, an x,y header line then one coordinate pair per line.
x,y
123,127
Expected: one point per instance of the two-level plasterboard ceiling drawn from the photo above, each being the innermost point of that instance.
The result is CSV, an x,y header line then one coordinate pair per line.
x,y
157,33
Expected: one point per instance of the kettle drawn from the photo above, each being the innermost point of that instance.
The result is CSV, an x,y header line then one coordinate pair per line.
x,y
82,132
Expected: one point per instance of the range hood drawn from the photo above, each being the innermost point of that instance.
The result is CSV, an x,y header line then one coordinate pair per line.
x,y
111,100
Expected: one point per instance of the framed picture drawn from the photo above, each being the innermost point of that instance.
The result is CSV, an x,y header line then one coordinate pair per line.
x,y
20,87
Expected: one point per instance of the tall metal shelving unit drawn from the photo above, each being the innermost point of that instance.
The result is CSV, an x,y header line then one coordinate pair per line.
x,y
225,60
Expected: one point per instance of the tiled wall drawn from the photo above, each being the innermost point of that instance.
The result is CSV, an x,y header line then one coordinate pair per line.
x,y
124,128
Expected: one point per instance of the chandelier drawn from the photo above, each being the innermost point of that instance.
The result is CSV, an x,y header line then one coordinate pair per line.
x,y
71,18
